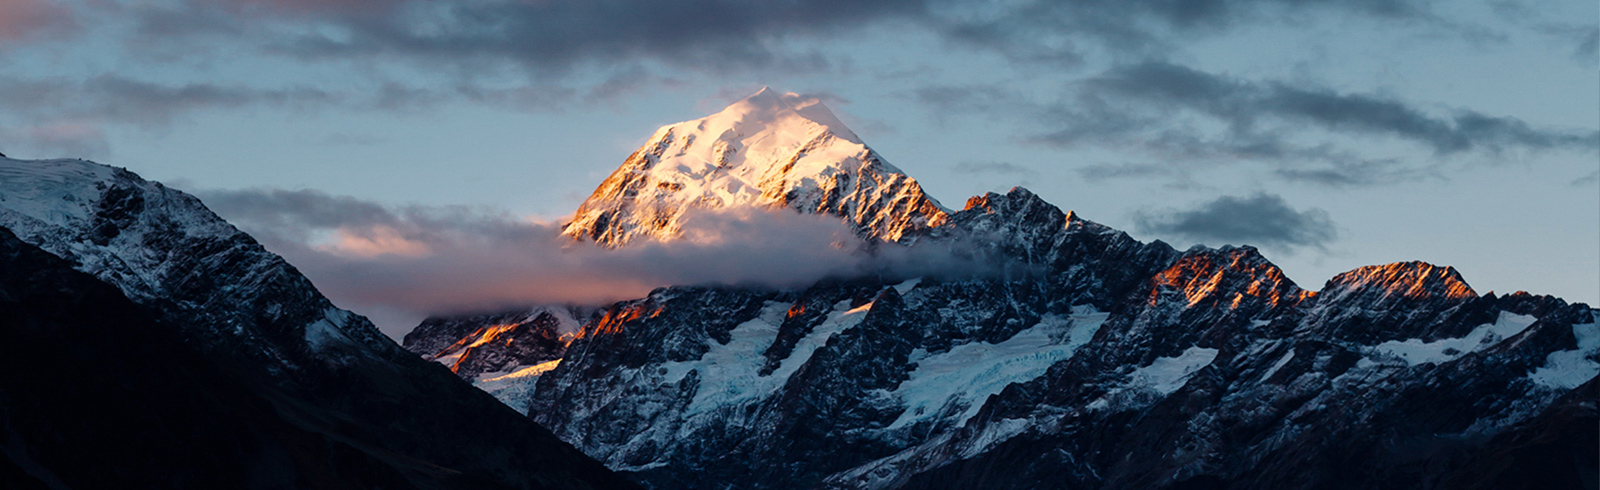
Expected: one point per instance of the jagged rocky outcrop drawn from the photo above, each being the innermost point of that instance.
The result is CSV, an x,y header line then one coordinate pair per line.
x,y
159,347
767,151
1078,357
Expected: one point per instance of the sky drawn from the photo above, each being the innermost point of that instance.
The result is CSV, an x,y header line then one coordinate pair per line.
x,y
398,151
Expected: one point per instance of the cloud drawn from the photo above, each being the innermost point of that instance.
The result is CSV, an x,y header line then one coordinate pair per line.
x,y
24,19
1587,180
553,36
993,168
1193,120
54,139
1061,32
112,98
423,260
1261,220
1244,106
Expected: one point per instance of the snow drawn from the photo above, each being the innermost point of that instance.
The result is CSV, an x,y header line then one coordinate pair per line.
x,y
55,192
761,151
963,377
1165,375
729,372
1278,365
52,204
515,389
1416,351
907,285
1569,368
326,332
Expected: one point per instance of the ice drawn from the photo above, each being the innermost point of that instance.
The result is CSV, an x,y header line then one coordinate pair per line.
x,y
966,375
1166,374
1569,368
515,389
1278,365
1415,351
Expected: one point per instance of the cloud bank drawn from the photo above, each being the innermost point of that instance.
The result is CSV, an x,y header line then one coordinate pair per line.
x,y
424,260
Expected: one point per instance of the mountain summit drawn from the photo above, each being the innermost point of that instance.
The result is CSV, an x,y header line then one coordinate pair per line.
x,y
769,150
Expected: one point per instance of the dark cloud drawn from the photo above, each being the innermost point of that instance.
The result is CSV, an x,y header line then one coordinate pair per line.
x,y
551,36
556,34
1244,106
432,259
990,168
1588,47
1261,220
1060,32
22,20
111,98
1194,120
1587,180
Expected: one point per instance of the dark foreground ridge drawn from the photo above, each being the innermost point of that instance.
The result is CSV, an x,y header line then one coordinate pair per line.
x,y
155,346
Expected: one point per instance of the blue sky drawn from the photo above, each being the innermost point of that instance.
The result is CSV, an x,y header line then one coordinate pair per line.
x,y
1333,134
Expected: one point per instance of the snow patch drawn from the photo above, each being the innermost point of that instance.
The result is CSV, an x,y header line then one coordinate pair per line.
x,y
1569,368
515,388
907,285
729,373
1162,377
961,379
1165,375
328,331
1278,365
1416,351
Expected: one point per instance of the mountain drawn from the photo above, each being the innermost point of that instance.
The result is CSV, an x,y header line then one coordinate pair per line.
x,y
769,150
501,353
160,347
1084,359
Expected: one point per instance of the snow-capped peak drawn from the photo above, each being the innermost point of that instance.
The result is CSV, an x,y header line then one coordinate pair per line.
x,y
785,111
769,150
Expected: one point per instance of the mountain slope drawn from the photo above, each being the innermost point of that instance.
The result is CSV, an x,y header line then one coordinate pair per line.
x,y
217,301
769,150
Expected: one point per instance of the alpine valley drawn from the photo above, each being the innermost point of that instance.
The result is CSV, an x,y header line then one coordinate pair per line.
x,y
157,346
1082,358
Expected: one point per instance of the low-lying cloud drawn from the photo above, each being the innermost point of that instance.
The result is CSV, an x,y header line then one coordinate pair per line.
x,y
425,260
1262,219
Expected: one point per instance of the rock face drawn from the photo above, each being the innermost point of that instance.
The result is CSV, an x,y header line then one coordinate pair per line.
x,y
769,150
1081,359
166,349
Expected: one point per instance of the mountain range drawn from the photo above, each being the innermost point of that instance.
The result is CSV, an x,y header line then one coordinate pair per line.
x,y
1079,358
158,346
